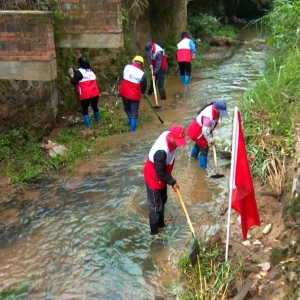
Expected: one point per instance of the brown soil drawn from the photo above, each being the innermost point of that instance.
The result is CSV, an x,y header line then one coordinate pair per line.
x,y
263,285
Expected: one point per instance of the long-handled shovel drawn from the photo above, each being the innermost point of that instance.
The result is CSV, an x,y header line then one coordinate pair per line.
x,y
161,121
217,175
195,251
155,93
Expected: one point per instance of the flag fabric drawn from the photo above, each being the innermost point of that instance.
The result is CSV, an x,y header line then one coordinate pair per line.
x,y
243,197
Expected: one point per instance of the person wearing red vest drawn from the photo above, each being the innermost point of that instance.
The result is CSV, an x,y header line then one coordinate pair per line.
x,y
85,80
186,51
158,174
158,63
202,127
133,85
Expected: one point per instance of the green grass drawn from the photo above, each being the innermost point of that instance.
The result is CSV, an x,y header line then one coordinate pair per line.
x,y
205,26
16,291
270,108
22,158
211,278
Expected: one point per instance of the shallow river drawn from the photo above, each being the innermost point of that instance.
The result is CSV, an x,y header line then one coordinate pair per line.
x,y
86,236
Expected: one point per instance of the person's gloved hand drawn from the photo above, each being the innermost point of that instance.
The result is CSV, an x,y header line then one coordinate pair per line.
x,y
71,72
78,53
175,187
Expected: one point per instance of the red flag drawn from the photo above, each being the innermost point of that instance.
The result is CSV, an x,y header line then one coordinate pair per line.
x,y
243,198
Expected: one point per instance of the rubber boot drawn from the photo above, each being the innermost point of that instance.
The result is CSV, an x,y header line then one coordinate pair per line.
x,y
162,93
97,116
150,90
203,161
87,121
154,221
195,151
133,123
129,117
187,80
161,222
182,78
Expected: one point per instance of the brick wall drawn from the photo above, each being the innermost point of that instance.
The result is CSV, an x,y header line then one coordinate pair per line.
x,y
89,23
27,49
26,36
28,95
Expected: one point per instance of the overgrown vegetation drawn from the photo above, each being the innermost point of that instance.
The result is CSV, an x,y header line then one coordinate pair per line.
x,y
270,107
23,5
22,158
16,291
205,26
211,278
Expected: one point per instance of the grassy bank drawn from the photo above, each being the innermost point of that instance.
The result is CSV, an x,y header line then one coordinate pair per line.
x,y
271,106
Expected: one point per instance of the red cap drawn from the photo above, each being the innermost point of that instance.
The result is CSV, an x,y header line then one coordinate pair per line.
x,y
178,134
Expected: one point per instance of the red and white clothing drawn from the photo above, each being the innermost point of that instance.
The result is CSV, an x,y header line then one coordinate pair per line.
x,y
151,177
196,129
87,86
131,84
184,52
158,58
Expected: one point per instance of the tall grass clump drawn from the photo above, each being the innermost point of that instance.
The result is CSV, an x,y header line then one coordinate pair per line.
x,y
211,278
271,106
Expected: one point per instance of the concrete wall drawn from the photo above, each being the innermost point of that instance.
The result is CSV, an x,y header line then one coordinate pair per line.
x,y
89,24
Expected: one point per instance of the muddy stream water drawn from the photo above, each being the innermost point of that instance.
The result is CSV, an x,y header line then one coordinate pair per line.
x,y
86,236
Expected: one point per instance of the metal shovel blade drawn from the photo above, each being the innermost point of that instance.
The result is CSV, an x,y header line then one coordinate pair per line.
x,y
217,176
195,251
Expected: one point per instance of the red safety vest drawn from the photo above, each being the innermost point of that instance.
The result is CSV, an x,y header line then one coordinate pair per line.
x,y
184,52
195,129
131,84
156,48
87,86
150,174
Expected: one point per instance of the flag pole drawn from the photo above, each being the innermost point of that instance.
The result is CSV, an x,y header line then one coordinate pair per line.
x,y
232,174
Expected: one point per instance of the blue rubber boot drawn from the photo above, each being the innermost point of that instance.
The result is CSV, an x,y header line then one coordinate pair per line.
x,y
133,123
187,80
182,78
129,117
87,121
97,116
203,161
195,151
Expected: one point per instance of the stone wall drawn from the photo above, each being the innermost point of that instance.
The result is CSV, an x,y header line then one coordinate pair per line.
x,y
162,20
89,24
28,103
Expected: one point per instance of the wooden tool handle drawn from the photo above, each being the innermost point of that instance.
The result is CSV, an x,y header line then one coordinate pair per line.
x,y
185,211
215,158
154,88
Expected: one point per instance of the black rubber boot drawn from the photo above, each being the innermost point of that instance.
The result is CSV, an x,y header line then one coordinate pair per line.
x,y
154,221
150,89
161,223
162,93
